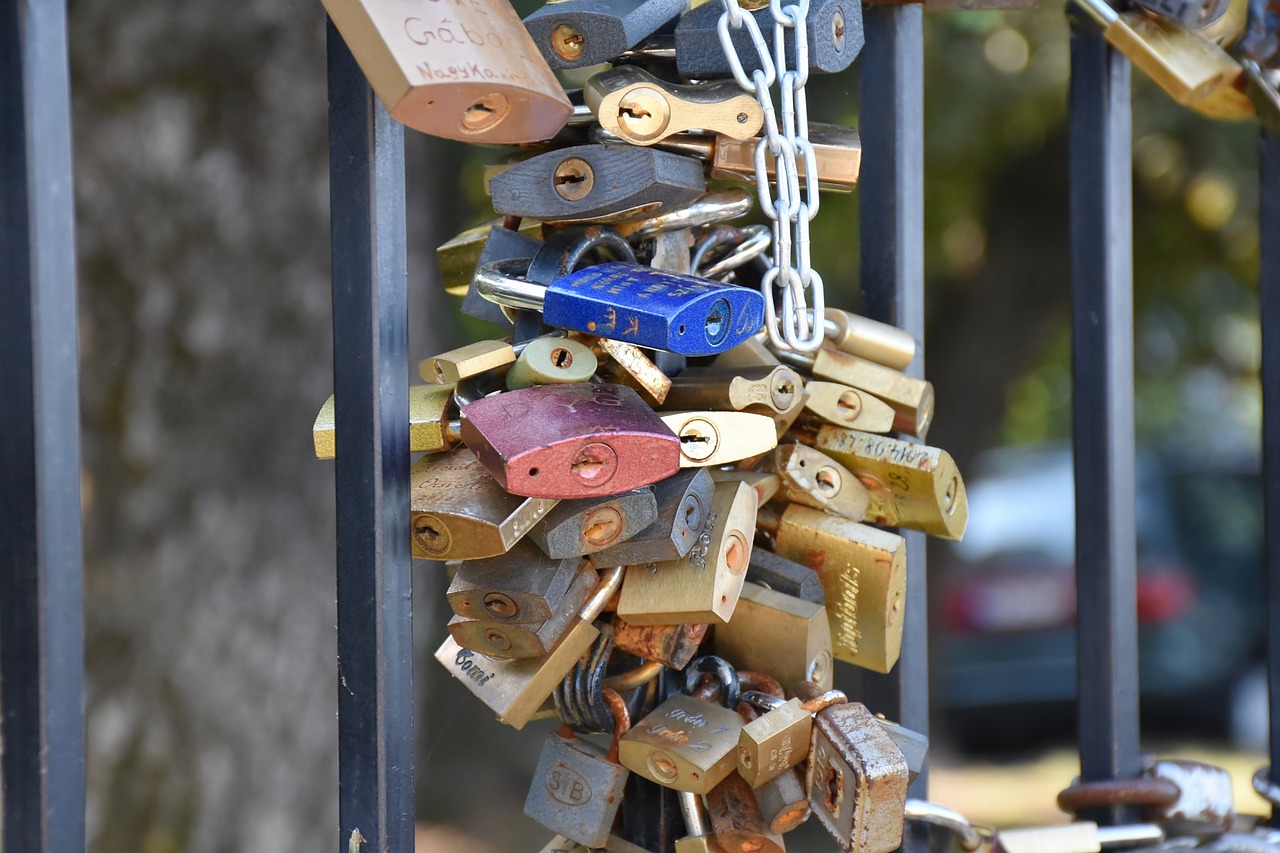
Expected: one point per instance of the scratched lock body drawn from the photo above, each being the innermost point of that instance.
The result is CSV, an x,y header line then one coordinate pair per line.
x,y
634,303
465,70
685,743
576,791
570,441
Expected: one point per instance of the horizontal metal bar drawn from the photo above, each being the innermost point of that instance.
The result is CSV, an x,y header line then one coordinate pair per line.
x,y
1102,383
41,571
371,413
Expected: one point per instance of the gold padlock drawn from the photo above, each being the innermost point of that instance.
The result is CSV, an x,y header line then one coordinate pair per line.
x,y
910,485
831,402
430,427
810,478
467,71
785,636
910,398
687,744
626,364
864,579
448,368
716,438
644,109
516,689
704,585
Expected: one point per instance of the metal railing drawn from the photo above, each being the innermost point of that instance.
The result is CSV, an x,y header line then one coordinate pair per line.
x,y
41,608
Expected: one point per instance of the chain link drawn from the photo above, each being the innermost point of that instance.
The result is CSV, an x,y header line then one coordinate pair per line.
x,y
798,326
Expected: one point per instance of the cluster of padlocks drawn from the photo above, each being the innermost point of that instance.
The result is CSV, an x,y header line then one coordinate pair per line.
x,y
668,492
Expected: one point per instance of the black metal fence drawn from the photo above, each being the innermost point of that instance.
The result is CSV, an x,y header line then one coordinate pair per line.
x,y
41,606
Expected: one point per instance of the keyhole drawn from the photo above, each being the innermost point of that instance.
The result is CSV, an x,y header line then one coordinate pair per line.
x,y
594,465
718,318
500,605
431,534
485,112
849,405
567,42
833,789
837,29
692,512
602,527
561,358
574,178
949,499
735,553
828,481
698,439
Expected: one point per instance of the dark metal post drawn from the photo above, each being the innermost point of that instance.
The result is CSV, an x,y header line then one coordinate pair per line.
x,y
892,238
41,569
1269,297
1102,382
371,382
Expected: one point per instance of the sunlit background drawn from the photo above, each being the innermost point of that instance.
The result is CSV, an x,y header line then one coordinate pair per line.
x,y
205,342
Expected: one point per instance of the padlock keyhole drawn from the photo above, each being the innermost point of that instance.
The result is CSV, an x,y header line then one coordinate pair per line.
x,y
718,317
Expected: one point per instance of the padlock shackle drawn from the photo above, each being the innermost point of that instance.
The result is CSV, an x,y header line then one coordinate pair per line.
x,y
763,701
609,584
499,282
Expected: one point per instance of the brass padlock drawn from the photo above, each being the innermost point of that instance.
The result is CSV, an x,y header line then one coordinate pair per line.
x,y
785,636
812,479
466,71
448,368
704,585
910,398
516,689
505,640
430,426
626,364
522,585
765,483
459,512
910,485
643,109
864,577
831,402
775,741
718,438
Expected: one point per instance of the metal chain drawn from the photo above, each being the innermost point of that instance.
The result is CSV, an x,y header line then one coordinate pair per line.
x,y
800,327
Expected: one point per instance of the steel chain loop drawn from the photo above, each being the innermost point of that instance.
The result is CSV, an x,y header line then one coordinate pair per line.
x,y
799,325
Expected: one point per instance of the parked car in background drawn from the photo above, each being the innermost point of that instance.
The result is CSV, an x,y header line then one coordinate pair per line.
x,y
1006,605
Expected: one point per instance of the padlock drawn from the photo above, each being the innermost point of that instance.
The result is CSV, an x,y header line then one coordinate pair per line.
x,y
718,438
570,441
856,780
464,362
775,741
588,525
551,361
459,512
762,390
737,822
626,364
911,485
430,426
911,399
864,575
577,787
815,480
578,33
670,645
785,636
1078,837
633,303
509,640
833,403
502,244
783,802
765,483
458,257
882,343
643,109
683,502
703,585
686,743
837,152
790,578
591,182
834,29
469,72
1192,70
522,585
516,689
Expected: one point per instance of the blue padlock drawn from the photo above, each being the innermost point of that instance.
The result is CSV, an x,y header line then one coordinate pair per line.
x,y
633,303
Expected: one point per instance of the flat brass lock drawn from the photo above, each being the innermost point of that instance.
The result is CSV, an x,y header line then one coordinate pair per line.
x,y
642,109
430,428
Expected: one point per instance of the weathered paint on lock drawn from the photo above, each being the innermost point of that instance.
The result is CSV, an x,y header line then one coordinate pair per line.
x,y
570,441
652,308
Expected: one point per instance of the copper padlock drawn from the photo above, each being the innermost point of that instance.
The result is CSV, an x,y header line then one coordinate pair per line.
x,y
467,70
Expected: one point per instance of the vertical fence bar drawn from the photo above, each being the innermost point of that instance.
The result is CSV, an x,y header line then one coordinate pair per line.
x,y
41,569
1102,382
891,197
1269,298
371,382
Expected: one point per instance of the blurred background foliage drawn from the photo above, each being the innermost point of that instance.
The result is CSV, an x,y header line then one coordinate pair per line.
x,y
205,344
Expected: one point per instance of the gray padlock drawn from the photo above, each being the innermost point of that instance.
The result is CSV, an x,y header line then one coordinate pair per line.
x,y
778,573
579,527
521,586
502,244
578,33
577,786
683,502
834,28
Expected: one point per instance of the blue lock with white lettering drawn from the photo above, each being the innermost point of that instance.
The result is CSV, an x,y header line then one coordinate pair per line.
x,y
633,303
